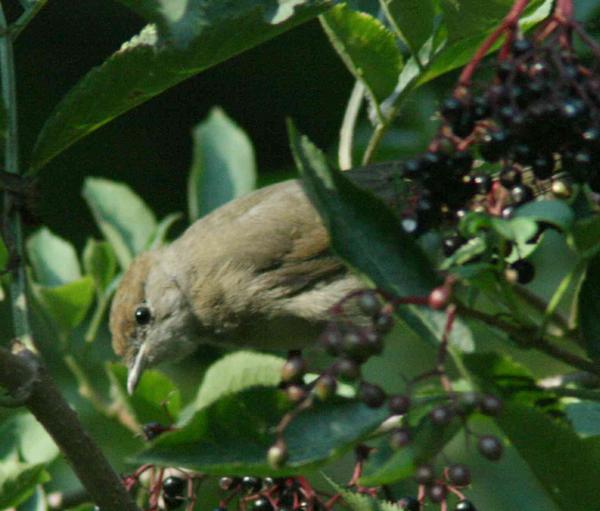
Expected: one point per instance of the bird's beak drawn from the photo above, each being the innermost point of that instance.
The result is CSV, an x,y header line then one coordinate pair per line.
x,y
136,369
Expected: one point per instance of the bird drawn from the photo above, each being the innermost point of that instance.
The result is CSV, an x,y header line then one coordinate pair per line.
x,y
257,272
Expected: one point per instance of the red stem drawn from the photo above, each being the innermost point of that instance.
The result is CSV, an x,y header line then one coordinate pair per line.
x,y
508,23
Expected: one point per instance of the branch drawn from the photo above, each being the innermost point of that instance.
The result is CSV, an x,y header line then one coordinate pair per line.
x,y
21,372
528,338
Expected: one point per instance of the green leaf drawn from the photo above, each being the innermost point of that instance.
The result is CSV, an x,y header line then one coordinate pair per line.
x,y
53,259
23,436
156,398
564,464
588,308
364,232
449,55
367,48
361,502
233,373
100,262
554,212
223,167
585,417
585,236
124,219
413,19
162,229
36,502
427,441
18,482
210,442
194,35
68,304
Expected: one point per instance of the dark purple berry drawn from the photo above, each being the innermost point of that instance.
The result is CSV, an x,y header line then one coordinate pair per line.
x,y
465,505
153,429
520,47
468,401
371,395
347,369
262,504
441,415
325,386
520,194
355,346
491,405
459,474
369,303
573,109
495,146
173,486
490,447
437,492
331,339
525,271
293,370
399,438
172,502
542,166
481,108
228,483
251,485
424,474
384,322
399,404
510,177
409,504
460,162
452,110
413,168
483,183
507,212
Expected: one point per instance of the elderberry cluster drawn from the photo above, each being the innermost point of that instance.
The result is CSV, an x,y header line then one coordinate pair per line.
x,y
534,128
269,494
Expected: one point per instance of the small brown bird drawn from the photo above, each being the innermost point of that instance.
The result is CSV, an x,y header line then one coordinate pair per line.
x,y
256,272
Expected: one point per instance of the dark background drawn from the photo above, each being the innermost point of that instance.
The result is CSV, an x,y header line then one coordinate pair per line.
x,y
296,75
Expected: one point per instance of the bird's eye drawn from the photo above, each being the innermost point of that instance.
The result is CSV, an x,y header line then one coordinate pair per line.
x,y
143,315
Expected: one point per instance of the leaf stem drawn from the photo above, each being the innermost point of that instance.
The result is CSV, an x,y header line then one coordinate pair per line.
x,y
25,18
349,124
18,285
378,134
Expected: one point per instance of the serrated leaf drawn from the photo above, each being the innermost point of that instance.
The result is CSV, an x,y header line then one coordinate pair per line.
x,y
206,33
156,398
588,308
223,167
53,259
231,436
18,482
124,219
234,373
100,262
361,502
413,19
364,232
585,417
367,48
68,304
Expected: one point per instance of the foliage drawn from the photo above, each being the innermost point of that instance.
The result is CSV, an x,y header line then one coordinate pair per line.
x,y
222,419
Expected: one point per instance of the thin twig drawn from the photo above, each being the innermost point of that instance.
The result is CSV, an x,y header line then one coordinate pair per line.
x,y
349,124
25,18
21,369
526,337
18,285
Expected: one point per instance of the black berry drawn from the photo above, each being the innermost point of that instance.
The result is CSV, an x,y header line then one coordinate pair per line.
x,y
262,504
424,474
465,505
371,395
173,486
525,271
437,492
251,484
441,415
399,404
400,438
459,474
490,447
409,504
491,405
